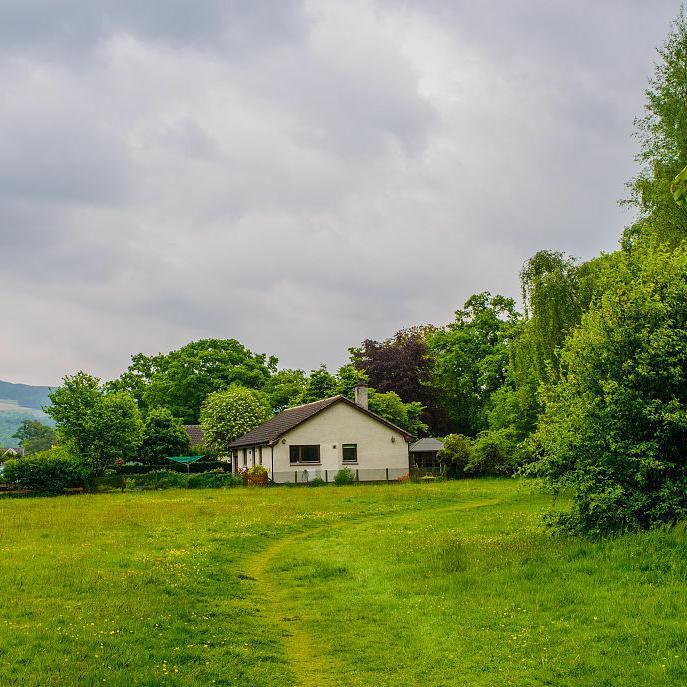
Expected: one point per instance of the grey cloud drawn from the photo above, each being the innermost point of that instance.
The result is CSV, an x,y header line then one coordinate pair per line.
x,y
299,176
70,29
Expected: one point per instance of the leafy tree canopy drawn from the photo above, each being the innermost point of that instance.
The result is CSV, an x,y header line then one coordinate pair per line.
x,y
403,364
662,134
163,436
227,415
321,384
34,436
99,426
181,380
285,388
471,358
405,415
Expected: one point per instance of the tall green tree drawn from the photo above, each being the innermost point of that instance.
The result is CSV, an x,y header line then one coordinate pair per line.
x,y
662,134
389,405
285,388
163,436
34,436
471,358
98,425
347,378
321,384
181,380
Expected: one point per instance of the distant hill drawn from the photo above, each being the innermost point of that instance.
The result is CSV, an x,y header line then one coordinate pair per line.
x,y
26,395
19,402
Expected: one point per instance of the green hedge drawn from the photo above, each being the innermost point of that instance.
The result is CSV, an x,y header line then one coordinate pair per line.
x,y
46,472
169,479
170,466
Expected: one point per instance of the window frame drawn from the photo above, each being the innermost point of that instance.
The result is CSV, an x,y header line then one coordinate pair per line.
x,y
299,450
344,461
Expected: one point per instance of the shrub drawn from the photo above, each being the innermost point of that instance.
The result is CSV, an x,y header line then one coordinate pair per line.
x,y
614,428
344,476
214,479
317,482
455,455
170,466
256,476
493,453
47,472
170,479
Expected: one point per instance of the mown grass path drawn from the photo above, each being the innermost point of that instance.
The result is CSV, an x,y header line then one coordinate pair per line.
x,y
311,667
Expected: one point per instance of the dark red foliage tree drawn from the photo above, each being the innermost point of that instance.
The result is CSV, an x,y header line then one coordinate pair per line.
x,y
403,364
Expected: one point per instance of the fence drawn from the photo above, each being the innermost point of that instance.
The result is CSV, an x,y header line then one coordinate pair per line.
x,y
306,475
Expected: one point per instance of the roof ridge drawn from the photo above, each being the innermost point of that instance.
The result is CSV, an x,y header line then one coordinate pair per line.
x,y
312,403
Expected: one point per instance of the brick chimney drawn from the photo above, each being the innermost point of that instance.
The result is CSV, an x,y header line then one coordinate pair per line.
x,y
361,395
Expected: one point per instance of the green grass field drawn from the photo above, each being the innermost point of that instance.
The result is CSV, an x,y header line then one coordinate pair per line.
x,y
441,584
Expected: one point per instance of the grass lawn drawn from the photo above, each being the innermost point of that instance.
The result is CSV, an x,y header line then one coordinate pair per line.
x,y
434,585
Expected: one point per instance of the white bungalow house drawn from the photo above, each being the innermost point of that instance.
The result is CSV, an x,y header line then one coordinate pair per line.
x,y
319,439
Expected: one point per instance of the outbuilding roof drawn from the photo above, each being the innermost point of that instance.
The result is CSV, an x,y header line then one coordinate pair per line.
x,y
268,432
429,444
195,434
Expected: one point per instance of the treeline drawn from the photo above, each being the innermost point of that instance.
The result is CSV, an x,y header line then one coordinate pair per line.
x,y
584,386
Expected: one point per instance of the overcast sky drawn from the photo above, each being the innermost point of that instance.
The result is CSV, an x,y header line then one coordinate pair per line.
x,y
298,175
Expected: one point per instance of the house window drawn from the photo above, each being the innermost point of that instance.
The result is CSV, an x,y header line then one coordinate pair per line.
x,y
350,453
304,454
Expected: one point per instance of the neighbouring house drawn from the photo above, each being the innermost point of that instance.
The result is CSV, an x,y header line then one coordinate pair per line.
x,y
319,439
195,435
424,454
6,453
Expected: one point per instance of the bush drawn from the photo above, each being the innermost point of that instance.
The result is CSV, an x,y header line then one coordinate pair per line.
x,y
493,453
344,476
614,428
455,455
317,482
47,472
170,479
214,480
256,476
170,466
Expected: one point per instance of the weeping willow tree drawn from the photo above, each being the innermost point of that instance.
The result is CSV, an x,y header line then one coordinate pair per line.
x,y
556,291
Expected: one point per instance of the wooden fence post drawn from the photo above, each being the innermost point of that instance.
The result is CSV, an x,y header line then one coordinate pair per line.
x,y
357,476
387,474
295,476
326,477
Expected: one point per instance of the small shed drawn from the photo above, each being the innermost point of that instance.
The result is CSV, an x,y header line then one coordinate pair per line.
x,y
424,452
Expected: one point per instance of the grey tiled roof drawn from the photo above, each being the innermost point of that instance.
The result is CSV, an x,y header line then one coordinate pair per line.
x,y
428,444
195,434
268,432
